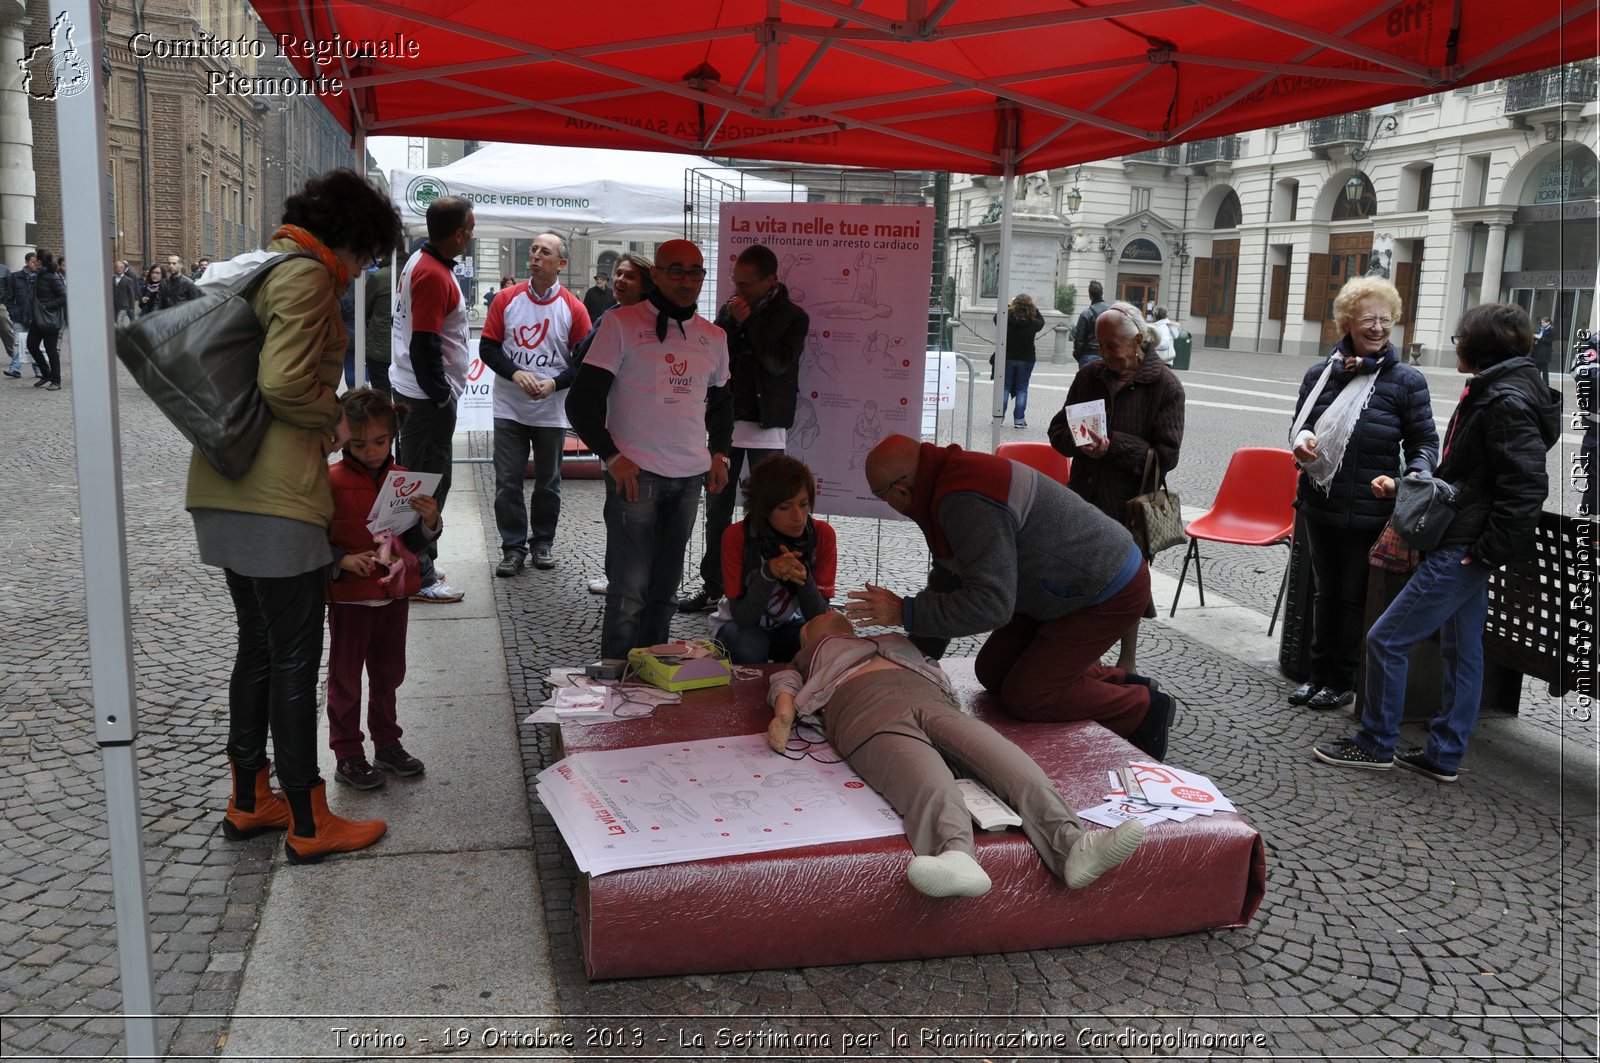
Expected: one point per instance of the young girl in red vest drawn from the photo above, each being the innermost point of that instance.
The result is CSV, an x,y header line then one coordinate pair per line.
x,y
368,596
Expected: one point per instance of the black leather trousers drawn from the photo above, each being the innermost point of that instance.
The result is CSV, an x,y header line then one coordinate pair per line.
x,y
274,684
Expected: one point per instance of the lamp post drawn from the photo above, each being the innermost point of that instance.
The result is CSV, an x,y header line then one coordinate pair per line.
x,y
1074,196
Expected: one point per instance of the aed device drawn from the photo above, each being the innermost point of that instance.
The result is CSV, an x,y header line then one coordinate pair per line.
x,y
679,666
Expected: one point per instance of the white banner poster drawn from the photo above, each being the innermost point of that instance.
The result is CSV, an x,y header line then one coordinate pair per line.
x,y
861,273
475,408
682,801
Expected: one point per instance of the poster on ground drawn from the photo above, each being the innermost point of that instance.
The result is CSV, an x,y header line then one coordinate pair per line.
x,y
861,273
682,801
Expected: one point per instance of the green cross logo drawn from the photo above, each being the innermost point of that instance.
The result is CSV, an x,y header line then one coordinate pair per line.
x,y
422,191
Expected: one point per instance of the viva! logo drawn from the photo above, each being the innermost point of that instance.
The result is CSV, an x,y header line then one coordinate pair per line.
x,y
678,373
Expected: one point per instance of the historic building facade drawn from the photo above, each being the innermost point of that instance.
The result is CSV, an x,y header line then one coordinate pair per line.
x,y
1473,195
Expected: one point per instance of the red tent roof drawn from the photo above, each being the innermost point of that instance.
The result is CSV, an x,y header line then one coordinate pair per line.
x,y
918,84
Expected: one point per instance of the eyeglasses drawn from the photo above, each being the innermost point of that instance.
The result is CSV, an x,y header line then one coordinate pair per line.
x,y
1380,322
1455,337
677,273
883,491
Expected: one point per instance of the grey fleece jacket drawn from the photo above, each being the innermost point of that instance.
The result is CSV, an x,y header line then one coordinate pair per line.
x,y
836,658
1043,555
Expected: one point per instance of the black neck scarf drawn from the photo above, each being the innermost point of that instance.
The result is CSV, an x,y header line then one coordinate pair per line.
x,y
665,311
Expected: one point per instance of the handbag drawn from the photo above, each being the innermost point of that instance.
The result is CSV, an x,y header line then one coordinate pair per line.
x,y
1423,510
1155,517
1391,553
50,318
198,362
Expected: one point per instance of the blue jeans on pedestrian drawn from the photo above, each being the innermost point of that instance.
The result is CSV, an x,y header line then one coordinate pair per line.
x,y
511,442
645,543
16,352
1442,595
1017,376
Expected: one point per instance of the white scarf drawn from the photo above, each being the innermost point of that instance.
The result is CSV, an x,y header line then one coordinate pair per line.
x,y
1337,423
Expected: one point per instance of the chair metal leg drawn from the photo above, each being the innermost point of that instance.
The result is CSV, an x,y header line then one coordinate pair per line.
x,y
1283,585
1194,552
1199,574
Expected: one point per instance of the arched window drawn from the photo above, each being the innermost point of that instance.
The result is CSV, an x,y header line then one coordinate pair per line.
x,y
1229,213
1357,199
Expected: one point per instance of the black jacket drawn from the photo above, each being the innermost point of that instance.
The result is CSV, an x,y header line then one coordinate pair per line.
x,y
1494,454
20,300
50,292
125,292
1396,425
764,360
1084,339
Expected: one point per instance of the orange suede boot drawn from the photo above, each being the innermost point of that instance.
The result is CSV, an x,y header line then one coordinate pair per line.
x,y
254,805
317,831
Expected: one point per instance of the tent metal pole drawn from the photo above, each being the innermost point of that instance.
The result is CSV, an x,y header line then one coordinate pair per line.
x,y
86,227
1001,297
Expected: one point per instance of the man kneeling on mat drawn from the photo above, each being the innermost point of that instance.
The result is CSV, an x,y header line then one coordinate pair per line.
x,y
891,713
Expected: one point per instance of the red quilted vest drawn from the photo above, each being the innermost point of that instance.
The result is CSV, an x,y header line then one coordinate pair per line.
x,y
355,488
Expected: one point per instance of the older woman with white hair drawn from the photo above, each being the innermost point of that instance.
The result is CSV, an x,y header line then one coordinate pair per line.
x,y
1362,414
1144,413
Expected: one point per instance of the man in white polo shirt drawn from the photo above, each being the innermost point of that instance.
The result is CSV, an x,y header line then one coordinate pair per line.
x,y
526,341
652,389
430,360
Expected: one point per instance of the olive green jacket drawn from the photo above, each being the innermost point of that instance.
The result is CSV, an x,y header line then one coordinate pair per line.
x,y
301,362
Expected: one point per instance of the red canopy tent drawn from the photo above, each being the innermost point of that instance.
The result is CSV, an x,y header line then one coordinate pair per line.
x,y
977,86
905,84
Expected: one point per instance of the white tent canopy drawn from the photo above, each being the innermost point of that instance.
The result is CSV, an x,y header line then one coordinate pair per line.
x,y
525,189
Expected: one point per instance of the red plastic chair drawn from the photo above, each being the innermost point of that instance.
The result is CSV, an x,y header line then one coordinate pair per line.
x,y
1041,456
1254,507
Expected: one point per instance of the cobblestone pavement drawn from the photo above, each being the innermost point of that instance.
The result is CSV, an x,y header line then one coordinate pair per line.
x,y
1401,918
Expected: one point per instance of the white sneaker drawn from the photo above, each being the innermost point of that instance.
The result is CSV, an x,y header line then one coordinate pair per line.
x,y
439,593
1100,851
599,585
950,874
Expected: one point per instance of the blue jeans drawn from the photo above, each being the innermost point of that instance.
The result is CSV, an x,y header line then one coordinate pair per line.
x,y
1442,595
511,442
758,645
645,544
1017,376
16,351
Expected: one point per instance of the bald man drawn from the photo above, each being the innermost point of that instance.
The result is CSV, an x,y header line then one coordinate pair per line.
x,y
651,400
1056,581
891,713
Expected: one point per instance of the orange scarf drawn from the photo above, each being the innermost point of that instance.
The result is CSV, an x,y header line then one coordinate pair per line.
x,y
341,274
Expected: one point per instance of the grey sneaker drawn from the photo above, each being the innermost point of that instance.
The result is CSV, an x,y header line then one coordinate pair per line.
x,y
356,772
599,585
542,557
1347,754
439,593
511,563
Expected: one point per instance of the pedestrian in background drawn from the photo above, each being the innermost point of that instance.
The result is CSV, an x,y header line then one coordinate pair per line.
x,y
268,530
124,292
49,318
1144,414
380,325
8,332
1362,413
1166,347
1544,338
19,295
1494,455
1023,322
153,296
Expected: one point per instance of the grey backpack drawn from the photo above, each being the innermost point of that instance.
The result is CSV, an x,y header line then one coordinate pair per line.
x,y
198,362
1423,510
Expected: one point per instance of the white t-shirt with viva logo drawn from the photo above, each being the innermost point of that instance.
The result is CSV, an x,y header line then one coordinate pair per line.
x,y
656,409
536,334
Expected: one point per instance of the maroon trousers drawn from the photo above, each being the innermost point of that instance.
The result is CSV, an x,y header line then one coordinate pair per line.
x,y
1049,671
373,637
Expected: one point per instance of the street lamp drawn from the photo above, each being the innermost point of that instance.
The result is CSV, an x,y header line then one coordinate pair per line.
x,y
1353,189
1075,197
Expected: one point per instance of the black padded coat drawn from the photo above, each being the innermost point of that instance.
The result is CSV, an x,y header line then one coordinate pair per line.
x,y
1495,456
1398,418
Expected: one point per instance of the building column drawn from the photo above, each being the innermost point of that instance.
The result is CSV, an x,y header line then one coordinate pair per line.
x,y
16,140
1494,260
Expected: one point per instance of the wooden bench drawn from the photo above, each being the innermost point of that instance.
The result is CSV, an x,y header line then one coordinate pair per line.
x,y
850,902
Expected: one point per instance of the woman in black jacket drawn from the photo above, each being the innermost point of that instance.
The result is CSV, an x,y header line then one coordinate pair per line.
x,y
151,298
1023,322
1361,413
49,318
1494,455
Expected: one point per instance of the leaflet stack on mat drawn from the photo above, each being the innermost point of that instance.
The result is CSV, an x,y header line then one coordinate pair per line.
x,y
1156,793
